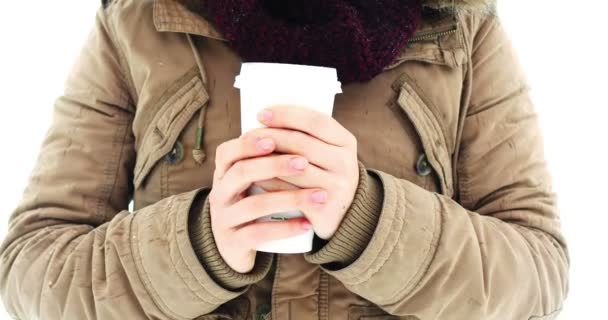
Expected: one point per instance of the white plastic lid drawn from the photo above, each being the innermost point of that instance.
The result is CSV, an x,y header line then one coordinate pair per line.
x,y
257,74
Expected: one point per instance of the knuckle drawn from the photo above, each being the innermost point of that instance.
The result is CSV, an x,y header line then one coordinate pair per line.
x,y
239,169
313,122
246,137
293,137
300,199
280,165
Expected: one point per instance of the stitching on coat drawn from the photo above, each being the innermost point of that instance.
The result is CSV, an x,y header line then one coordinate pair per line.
x,y
549,316
164,179
154,110
195,101
141,271
467,76
429,133
375,264
112,170
179,272
350,279
422,97
127,77
180,121
273,300
425,264
430,255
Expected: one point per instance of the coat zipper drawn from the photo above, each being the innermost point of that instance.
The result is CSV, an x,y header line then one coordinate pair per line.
x,y
323,296
433,35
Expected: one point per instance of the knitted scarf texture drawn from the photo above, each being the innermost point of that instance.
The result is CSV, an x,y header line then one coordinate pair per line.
x,y
357,37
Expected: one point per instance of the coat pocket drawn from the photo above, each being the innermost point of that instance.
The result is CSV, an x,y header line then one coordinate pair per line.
x,y
432,132
165,127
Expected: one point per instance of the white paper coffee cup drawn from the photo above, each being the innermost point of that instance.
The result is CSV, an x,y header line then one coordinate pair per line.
x,y
264,85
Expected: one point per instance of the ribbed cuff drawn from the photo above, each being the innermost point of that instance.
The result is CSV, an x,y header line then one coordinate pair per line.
x,y
201,236
358,225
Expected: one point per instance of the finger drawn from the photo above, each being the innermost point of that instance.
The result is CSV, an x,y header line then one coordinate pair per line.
x,y
318,152
314,123
245,172
276,184
261,205
312,177
254,234
246,146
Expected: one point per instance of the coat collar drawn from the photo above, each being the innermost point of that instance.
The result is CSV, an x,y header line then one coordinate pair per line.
x,y
181,16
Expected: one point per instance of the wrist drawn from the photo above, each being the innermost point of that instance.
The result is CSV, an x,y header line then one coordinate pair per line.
x,y
357,228
205,247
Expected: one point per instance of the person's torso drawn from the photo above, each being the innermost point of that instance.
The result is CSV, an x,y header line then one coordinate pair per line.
x,y
406,121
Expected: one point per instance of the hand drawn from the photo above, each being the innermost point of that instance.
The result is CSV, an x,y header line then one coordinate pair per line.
x,y
332,152
239,163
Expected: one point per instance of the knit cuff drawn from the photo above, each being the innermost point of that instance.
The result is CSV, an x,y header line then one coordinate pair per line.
x,y
357,227
206,250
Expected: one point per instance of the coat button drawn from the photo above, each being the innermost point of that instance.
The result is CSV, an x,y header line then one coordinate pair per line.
x,y
176,154
262,312
423,167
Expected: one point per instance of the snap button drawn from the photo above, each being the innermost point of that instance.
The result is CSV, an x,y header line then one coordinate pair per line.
x,y
262,312
423,167
176,154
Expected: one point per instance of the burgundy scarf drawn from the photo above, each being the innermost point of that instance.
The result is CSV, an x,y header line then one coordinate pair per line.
x,y
357,37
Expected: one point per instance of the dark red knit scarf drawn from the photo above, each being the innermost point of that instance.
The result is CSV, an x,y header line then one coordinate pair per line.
x,y
357,37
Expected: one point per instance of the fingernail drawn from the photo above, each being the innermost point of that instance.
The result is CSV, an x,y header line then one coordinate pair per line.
x,y
306,225
298,163
265,116
265,144
319,196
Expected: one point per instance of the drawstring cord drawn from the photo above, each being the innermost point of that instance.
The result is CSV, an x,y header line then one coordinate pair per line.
x,y
198,152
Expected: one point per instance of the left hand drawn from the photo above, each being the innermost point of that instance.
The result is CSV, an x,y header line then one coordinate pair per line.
x,y
332,153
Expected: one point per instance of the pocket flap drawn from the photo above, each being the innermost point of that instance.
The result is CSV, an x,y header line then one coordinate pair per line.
x,y
431,133
167,124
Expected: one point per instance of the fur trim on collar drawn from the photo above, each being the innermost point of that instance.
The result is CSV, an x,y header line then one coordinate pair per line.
x,y
460,4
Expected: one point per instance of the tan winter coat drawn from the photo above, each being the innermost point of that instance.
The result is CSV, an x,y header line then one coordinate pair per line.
x,y
454,216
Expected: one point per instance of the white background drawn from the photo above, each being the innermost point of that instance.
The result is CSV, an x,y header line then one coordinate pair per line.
x,y
561,44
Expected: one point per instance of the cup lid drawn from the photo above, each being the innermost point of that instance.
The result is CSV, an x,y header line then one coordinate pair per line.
x,y
255,74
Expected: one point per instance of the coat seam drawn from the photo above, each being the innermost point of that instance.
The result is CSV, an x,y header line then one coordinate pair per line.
x,y
376,263
425,264
143,275
127,77
113,169
459,190
273,298
548,316
202,284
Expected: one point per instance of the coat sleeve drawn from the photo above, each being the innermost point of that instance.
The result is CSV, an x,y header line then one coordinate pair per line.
x,y
498,252
73,251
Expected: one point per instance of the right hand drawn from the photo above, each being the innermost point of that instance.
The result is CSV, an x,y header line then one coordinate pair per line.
x,y
238,164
